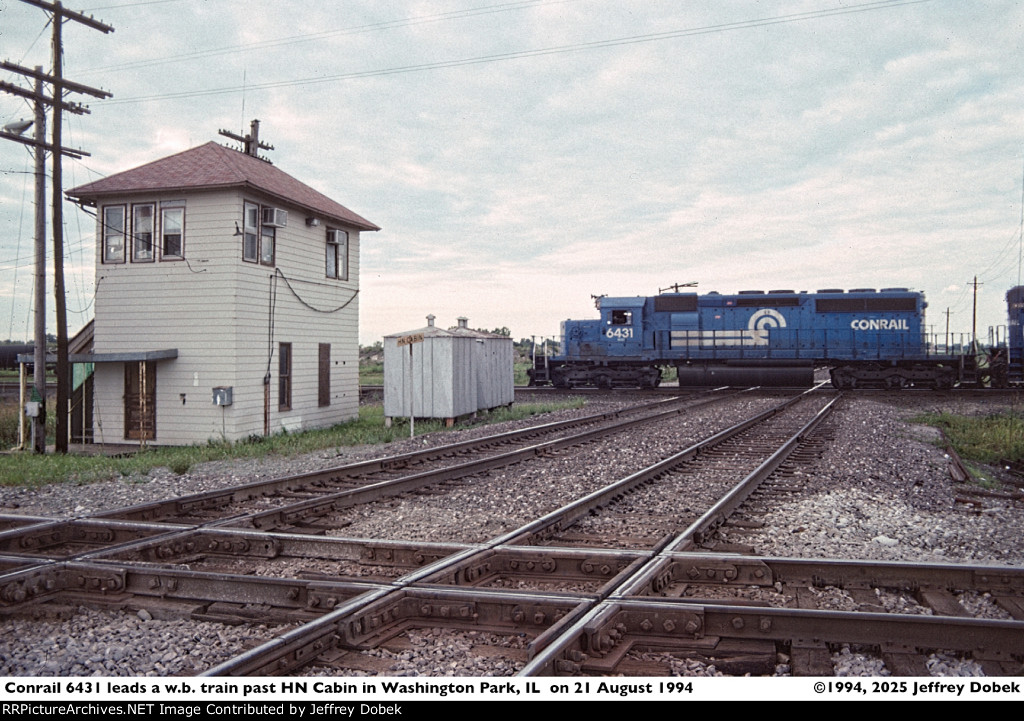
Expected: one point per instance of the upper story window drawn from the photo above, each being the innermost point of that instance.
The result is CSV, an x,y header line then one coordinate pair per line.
x,y
251,239
113,233
337,254
172,224
142,233
259,237
149,232
268,236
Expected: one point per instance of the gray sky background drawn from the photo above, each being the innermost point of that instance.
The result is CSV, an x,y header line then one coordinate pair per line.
x,y
521,156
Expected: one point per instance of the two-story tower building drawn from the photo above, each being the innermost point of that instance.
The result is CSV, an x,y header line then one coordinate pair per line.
x,y
226,301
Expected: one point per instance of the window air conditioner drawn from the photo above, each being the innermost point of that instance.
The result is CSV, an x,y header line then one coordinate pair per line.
x,y
337,237
276,217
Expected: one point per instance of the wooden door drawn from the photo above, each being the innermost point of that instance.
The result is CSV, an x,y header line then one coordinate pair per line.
x,y
140,400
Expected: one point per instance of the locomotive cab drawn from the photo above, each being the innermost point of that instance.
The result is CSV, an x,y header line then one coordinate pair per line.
x,y
622,326
608,352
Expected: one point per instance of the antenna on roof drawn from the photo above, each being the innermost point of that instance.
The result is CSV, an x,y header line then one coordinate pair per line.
x,y
251,143
676,286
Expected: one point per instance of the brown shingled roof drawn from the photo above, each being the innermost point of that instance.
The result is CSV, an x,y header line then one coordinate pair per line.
x,y
212,166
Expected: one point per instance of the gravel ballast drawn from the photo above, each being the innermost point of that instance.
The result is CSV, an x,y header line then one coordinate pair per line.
x,y
882,490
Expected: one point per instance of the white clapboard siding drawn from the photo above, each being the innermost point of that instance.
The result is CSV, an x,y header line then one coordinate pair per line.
x,y
215,309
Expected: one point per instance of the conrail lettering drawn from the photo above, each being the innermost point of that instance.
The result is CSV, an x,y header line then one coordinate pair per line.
x,y
879,324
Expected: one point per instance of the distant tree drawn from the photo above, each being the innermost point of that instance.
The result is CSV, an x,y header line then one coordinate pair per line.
x,y
524,346
496,331
368,351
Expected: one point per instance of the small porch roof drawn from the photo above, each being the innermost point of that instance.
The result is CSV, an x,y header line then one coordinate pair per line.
x,y
131,356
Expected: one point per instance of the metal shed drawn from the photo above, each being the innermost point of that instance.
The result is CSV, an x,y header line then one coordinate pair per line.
x,y
431,372
428,373
492,365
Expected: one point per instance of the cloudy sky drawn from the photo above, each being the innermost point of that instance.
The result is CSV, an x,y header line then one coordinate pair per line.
x,y
521,156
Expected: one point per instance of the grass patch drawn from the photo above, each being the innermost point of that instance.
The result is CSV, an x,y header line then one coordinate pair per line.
x,y
525,410
28,469
9,423
371,374
985,439
983,476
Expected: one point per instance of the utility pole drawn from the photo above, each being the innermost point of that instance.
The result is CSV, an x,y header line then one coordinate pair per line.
x,y
56,102
39,362
13,131
251,142
947,329
974,315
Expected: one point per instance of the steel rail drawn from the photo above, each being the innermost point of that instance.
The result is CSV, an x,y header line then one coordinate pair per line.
x,y
219,498
365,621
727,505
733,570
607,632
35,539
303,510
374,611
572,512
549,646
291,653
127,535
624,623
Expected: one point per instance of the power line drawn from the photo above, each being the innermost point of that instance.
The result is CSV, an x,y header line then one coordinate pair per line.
x,y
519,54
135,3
310,37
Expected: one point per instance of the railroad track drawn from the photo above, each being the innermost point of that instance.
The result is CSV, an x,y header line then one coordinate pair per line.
x,y
556,593
310,494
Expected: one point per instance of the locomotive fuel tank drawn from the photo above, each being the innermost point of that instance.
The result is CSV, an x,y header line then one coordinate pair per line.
x,y
796,374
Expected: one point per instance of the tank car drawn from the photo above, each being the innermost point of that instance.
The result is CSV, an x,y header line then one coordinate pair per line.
x,y
866,337
9,353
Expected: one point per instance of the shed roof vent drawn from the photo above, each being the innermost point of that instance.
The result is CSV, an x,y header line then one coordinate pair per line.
x,y
463,320
430,320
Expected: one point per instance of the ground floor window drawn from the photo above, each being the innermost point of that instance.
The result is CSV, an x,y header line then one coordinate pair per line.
x,y
324,385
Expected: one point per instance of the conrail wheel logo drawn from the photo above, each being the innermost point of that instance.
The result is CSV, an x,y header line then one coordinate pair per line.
x,y
766,319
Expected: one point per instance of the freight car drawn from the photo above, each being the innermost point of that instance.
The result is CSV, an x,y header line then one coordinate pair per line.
x,y
865,337
9,353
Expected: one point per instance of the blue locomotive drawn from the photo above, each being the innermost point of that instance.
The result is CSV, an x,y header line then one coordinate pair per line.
x,y
1009,361
866,337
